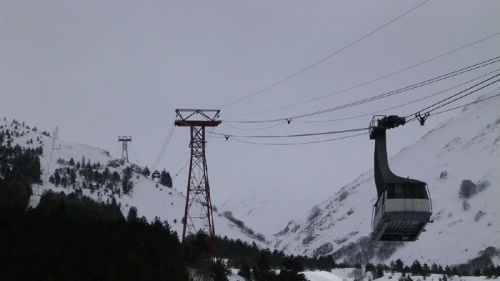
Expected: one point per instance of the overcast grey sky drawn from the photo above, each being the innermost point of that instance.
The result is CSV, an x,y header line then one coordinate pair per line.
x,y
99,69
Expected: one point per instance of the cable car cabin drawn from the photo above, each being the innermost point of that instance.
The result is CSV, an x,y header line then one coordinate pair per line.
x,y
401,212
403,207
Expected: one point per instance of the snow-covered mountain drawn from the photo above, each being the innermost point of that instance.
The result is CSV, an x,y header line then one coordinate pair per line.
x,y
465,147
149,198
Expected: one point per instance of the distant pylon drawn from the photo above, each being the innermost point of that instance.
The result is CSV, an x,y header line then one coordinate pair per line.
x,y
124,140
198,217
55,137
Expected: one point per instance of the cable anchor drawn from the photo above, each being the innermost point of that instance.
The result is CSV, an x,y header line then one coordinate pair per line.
x,y
421,118
226,137
289,120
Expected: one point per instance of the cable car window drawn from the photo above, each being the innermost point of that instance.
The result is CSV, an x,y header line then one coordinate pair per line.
x,y
406,191
395,191
419,192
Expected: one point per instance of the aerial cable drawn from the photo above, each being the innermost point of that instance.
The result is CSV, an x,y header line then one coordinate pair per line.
x,y
465,105
372,80
180,162
458,98
465,90
117,150
164,147
183,167
354,135
364,133
323,59
400,105
236,138
252,129
135,154
299,143
434,106
293,135
381,96
384,95
454,97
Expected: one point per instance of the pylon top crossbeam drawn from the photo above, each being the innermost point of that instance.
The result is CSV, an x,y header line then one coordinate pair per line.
x,y
197,117
124,138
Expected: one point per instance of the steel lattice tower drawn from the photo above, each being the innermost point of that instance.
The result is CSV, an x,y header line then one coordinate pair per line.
x,y
198,209
124,140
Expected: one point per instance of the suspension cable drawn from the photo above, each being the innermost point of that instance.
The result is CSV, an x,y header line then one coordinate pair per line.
x,y
300,143
293,135
435,106
399,105
253,129
380,96
467,104
451,98
164,147
237,138
364,133
323,59
387,75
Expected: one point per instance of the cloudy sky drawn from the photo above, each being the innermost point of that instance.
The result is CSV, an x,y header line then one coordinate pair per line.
x,y
99,69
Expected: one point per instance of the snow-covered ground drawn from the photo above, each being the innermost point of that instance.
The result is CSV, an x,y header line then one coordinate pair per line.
x,y
322,276
347,274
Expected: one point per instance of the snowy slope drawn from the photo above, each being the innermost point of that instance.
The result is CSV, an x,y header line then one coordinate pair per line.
x,y
347,275
466,147
150,199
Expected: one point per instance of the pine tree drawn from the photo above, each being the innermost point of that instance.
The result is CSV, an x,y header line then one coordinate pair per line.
x,y
245,271
146,172
57,178
165,179
379,272
477,272
370,268
127,184
219,271
263,271
115,176
105,173
72,177
398,266
416,268
447,271
425,269
132,214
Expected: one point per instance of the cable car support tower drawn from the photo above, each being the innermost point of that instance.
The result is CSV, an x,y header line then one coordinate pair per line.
x,y
124,140
198,209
